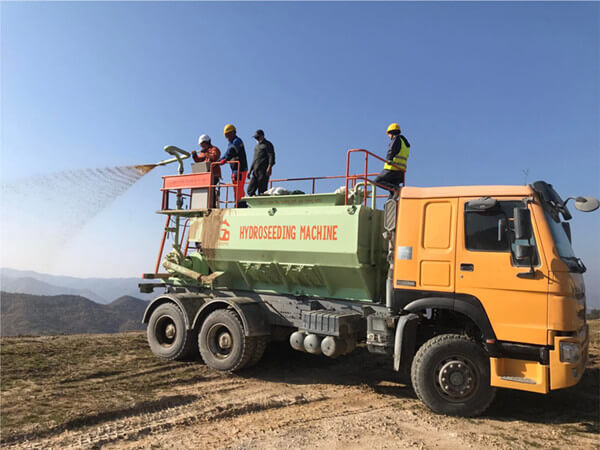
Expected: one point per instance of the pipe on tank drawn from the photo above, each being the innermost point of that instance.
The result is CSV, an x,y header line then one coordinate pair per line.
x,y
389,290
389,282
179,155
183,270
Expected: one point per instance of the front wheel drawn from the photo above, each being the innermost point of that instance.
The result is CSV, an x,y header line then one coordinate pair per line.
x,y
450,373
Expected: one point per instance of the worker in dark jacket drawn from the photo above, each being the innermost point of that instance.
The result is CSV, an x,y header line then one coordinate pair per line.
x,y
262,164
392,174
236,157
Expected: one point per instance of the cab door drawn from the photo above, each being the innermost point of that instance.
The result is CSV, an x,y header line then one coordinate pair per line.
x,y
486,269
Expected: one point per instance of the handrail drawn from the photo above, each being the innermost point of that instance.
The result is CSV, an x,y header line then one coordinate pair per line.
x,y
212,187
373,192
313,179
162,244
185,226
366,175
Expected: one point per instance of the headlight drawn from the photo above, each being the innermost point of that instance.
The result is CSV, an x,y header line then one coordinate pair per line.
x,y
569,352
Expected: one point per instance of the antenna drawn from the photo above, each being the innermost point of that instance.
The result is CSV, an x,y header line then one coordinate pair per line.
x,y
526,172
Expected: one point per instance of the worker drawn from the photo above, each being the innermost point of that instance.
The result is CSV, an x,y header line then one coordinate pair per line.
x,y
392,174
236,156
210,154
262,164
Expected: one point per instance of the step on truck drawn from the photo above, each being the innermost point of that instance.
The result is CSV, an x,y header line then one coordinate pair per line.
x,y
466,288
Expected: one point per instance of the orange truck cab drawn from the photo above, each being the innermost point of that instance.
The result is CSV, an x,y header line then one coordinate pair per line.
x,y
494,263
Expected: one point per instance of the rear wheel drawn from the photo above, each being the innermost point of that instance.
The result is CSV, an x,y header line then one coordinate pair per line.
x,y
167,334
259,350
451,375
222,342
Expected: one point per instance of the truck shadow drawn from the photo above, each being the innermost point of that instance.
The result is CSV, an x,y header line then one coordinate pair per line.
x,y
281,364
577,406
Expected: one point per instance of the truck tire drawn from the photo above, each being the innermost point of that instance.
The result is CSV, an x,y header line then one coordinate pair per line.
x,y
222,342
259,350
450,373
167,335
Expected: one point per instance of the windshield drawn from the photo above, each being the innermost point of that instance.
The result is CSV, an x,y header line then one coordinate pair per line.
x,y
563,245
561,241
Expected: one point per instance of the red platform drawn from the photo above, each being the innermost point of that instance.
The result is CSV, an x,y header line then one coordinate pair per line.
x,y
186,181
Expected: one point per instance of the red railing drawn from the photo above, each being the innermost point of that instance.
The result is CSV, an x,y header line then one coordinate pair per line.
x,y
174,184
313,179
216,189
365,176
162,244
351,180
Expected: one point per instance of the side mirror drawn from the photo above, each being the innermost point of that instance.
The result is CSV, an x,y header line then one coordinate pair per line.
x,y
567,227
522,223
586,204
524,254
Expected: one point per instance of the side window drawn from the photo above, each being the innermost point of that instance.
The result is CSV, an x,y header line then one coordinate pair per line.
x,y
485,231
491,230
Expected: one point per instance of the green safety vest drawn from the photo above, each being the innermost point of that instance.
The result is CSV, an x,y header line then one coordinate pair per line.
x,y
400,158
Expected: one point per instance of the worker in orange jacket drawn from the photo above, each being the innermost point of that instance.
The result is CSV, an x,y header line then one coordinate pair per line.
x,y
210,154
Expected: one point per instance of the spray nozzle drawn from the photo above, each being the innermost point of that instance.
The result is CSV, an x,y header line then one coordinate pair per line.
x,y
179,155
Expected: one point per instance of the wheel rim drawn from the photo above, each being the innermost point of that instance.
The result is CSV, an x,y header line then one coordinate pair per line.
x,y
220,341
456,378
165,331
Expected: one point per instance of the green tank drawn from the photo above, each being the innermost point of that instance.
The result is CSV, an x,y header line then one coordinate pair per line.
x,y
304,245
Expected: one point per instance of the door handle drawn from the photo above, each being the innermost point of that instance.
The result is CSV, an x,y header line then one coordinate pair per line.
x,y
466,267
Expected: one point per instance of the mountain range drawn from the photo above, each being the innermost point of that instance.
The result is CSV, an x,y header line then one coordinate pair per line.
x,y
105,290
26,314
99,290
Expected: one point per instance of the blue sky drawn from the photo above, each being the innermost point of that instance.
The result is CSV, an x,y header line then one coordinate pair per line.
x,y
481,90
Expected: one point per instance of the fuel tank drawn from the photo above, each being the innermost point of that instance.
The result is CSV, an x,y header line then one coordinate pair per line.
x,y
304,245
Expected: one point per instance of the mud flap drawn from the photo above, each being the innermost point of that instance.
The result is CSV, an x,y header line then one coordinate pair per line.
x,y
250,311
404,341
189,305
253,317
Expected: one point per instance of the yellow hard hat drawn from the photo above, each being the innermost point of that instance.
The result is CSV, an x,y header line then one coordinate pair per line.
x,y
228,128
393,127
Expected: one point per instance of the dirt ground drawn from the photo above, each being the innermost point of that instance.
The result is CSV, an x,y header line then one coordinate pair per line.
x,y
109,391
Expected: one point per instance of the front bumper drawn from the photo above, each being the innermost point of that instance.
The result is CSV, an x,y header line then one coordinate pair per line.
x,y
534,376
565,374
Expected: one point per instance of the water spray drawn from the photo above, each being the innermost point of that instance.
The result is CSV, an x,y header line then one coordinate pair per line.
x,y
90,191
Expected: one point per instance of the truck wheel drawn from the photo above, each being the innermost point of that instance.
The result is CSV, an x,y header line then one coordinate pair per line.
x,y
167,335
222,342
259,350
451,375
